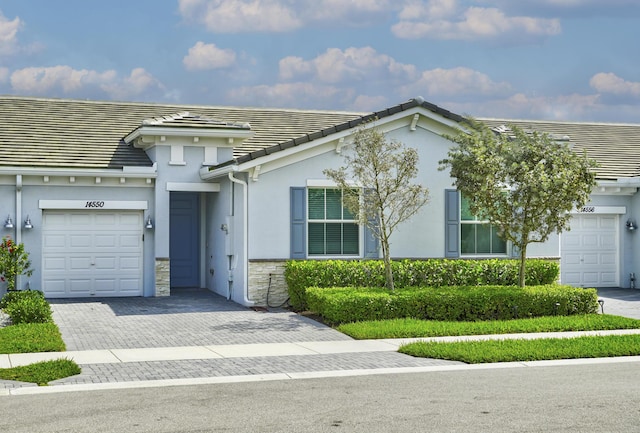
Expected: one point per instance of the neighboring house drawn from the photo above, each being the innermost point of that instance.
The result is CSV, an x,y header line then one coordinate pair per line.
x,y
132,199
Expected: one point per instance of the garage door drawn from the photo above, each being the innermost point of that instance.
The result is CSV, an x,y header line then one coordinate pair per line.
x,y
92,253
590,252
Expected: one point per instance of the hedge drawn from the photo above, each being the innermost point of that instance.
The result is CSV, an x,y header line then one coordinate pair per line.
x,y
26,306
462,303
301,274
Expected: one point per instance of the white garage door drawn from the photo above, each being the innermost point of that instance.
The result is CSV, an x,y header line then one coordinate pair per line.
x,y
92,253
590,252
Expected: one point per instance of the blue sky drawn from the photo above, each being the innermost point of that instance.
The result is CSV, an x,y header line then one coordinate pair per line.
x,y
575,60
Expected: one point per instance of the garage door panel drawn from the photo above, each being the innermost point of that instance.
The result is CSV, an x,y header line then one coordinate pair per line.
x,y
106,263
590,256
92,253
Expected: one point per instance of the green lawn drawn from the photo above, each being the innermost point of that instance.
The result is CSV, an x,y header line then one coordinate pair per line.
x,y
31,337
41,372
413,328
474,352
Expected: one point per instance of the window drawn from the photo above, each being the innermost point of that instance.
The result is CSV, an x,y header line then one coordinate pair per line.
x,y
477,236
332,229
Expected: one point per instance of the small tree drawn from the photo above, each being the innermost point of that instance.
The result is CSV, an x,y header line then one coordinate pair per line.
x,y
524,183
14,261
385,171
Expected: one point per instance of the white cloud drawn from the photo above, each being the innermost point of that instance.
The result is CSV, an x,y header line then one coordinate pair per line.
x,y
207,56
443,19
69,81
455,82
610,83
137,83
336,65
236,16
245,16
9,34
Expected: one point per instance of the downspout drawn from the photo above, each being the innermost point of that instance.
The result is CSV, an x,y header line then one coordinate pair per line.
x,y
245,242
18,208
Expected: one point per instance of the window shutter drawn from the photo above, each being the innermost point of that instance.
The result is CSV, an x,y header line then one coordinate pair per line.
x,y
452,223
298,222
370,244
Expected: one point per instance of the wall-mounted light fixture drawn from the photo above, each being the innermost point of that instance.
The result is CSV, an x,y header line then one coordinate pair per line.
x,y
149,223
8,224
224,228
631,225
27,223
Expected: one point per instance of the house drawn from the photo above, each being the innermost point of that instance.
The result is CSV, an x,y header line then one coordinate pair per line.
x,y
135,199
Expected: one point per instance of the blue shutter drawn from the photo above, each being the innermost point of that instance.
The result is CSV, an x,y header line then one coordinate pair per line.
x,y
452,223
370,244
298,222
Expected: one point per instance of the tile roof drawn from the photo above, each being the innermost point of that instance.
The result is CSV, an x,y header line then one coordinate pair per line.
x,y
615,146
38,132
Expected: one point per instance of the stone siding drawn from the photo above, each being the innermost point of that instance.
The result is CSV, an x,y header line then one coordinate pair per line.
x,y
163,277
267,286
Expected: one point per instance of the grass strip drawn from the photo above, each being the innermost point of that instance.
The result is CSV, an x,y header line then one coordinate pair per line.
x,y
475,352
413,328
31,337
41,372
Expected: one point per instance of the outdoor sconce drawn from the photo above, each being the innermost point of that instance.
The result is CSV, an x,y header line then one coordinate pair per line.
x,y
27,223
631,225
149,223
8,224
224,228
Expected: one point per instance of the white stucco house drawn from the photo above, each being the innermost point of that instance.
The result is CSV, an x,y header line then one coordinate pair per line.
x,y
135,199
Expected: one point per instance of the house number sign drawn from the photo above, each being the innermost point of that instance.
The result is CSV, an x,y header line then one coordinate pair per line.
x,y
94,204
99,204
619,210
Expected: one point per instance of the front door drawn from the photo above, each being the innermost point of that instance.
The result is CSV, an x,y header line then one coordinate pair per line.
x,y
184,239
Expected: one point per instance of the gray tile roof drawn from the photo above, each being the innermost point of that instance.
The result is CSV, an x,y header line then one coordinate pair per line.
x,y
37,132
615,146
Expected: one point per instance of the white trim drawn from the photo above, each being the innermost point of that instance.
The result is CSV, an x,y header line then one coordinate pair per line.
x,y
96,204
134,172
169,131
328,183
177,155
193,187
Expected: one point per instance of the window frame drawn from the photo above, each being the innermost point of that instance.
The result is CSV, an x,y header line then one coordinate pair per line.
x,y
325,221
476,221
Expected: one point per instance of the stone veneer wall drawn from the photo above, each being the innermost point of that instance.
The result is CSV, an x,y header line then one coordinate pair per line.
x,y
163,277
260,272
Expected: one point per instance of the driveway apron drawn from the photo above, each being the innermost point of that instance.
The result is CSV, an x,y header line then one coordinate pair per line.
x,y
186,318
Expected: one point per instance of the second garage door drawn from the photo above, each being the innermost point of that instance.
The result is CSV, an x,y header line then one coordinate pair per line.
x,y
92,253
589,252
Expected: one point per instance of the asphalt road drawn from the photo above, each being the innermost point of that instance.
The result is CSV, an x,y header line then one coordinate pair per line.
x,y
577,398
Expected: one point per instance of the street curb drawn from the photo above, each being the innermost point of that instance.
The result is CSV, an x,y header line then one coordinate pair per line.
x,y
307,375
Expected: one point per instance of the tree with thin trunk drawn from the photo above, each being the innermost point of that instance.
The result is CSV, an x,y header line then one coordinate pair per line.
x,y
522,182
378,188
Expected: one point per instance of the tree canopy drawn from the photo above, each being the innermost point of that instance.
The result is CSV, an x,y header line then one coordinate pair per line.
x,y
523,182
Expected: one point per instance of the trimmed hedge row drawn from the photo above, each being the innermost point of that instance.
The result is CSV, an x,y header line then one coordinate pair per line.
x,y
301,274
348,304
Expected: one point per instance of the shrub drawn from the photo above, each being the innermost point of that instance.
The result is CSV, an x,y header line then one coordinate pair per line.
x,y
465,303
26,306
301,274
14,261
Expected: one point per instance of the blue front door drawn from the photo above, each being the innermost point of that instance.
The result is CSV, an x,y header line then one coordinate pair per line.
x,y
184,239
